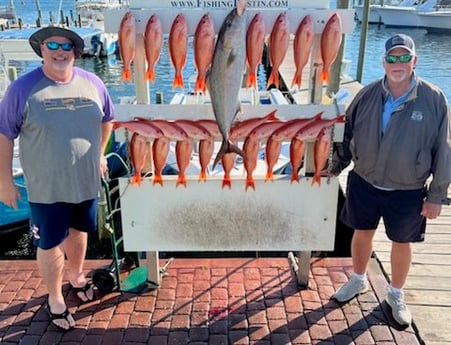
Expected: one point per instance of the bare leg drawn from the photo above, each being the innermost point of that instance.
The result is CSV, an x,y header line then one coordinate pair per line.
x,y
75,246
361,249
51,266
401,259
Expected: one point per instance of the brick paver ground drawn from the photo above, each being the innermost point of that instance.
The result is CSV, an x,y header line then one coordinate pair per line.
x,y
208,301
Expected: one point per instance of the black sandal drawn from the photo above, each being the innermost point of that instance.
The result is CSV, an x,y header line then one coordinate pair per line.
x,y
82,292
63,316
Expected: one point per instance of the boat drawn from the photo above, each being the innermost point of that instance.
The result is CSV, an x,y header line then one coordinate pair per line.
x,y
90,14
405,16
373,15
439,19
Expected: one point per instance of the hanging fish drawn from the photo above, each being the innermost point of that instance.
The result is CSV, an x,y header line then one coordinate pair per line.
x,y
127,44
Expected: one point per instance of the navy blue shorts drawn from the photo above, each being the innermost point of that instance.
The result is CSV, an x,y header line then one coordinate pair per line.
x,y
50,223
400,210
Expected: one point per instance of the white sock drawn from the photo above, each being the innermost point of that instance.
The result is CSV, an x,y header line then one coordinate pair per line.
x,y
361,277
394,290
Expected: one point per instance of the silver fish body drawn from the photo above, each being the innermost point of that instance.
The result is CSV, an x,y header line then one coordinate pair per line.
x,y
226,75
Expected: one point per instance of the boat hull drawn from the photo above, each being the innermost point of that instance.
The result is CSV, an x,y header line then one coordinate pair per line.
x,y
436,22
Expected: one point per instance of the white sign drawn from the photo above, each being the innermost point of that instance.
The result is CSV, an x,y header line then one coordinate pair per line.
x,y
218,4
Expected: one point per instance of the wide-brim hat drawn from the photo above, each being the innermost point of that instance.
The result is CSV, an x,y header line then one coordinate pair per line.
x,y
49,31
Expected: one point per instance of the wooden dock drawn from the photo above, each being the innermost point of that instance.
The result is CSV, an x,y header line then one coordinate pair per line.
x,y
428,288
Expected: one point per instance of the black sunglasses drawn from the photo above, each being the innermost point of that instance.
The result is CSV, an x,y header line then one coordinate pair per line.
x,y
406,58
55,45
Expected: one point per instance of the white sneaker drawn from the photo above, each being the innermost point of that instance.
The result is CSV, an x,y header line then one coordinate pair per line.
x,y
353,287
398,307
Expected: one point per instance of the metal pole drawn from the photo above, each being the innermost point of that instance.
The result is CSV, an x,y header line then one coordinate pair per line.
x,y
363,36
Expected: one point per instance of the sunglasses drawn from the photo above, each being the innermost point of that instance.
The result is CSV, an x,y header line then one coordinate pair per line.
x,y
406,58
55,45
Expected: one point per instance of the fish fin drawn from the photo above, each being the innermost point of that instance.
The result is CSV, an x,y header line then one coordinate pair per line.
x,y
272,116
136,179
273,79
203,176
269,176
325,76
251,80
150,75
250,183
294,177
296,81
158,179
126,75
181,180
227,147
226,182
316,179
200,85
178,82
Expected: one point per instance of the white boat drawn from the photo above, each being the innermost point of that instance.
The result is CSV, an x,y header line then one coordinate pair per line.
x,y
90,13
439,19
436,21
405,16
373,15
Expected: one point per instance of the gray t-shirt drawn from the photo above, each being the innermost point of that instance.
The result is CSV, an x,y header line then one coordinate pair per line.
x,y
59,129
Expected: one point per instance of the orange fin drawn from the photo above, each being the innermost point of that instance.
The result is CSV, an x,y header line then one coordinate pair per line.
x,y
226,182
250,183
150,75
126,75
181,180
251,80
158,179
178,82
203,176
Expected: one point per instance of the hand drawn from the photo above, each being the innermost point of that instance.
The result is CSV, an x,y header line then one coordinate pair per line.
x,y
103,166
9,194
430,210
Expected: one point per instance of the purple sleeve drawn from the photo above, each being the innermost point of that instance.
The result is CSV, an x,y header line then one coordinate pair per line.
x,y
13,103
108,106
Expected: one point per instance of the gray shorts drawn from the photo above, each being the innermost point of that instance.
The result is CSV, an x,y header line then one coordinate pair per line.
x,y
400,210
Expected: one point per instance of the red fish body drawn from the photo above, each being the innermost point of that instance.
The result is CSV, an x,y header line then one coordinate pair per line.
x,y
139,155
302,47
290,128
194,130
206,148
127,44
169,129
312,130
255,42
278,45
142,128
160,151
183,150
204,46
297,148
178,47
330,44
321,153
153,41
272,153
243,129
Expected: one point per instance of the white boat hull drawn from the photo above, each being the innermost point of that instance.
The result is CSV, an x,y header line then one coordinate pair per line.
x,y
437,21
373,16
394,16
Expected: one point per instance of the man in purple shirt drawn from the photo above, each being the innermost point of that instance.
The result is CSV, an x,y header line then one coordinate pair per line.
x,y
62,117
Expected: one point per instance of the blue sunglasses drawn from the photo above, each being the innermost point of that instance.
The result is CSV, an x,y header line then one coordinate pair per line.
x,y
55,45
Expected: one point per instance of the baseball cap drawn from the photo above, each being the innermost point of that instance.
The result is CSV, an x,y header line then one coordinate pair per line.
x,y
400,41
39,36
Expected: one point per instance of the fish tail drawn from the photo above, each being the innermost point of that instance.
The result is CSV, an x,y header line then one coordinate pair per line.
x,y
226,182
316,179
181,180
251,80
227,147
273,79
178,81
325,76
250,183
158,179
294,177
200,85
269,176
126,75
136,179
296,81
272,116
203,176
150,75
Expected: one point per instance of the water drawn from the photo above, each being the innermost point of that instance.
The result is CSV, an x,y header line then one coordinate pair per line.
x,y
434,53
